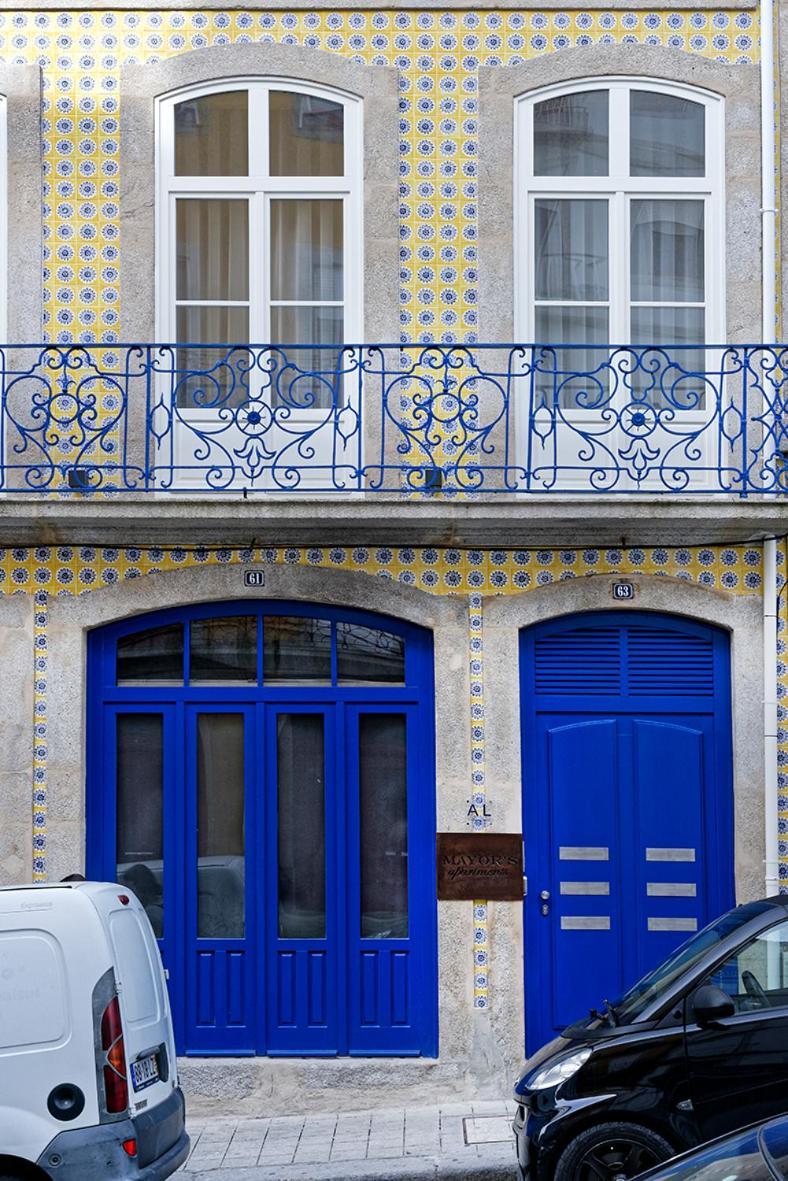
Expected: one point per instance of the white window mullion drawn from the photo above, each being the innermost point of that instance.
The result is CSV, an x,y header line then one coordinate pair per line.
x,y
259,269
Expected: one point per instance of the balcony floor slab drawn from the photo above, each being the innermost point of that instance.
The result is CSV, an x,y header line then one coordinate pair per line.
x,y
485,522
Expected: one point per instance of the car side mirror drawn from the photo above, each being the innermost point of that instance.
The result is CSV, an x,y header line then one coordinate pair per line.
x,y
710,1004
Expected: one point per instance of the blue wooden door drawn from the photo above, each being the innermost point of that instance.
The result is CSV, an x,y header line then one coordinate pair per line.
x,y
262,775
627,802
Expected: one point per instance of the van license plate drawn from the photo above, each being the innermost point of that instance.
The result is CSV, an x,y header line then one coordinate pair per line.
x,y
145,1072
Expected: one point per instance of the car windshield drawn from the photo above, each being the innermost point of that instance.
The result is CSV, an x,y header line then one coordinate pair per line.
x,y
774,1142
650,988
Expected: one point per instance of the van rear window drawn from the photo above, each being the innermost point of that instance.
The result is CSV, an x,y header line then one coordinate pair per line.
x,y
33,990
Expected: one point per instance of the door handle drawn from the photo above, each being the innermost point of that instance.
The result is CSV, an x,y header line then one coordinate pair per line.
x,y
544,899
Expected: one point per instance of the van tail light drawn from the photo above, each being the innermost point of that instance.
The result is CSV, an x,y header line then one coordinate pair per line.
x,y
116,1087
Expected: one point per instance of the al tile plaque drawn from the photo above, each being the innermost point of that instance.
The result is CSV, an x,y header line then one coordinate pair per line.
x,y
485,865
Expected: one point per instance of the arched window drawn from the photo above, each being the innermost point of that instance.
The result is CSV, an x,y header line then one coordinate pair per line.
x,y
619,220
260,221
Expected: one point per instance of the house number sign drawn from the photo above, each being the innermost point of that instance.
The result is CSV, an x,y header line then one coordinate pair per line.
x,y
254,578
480,865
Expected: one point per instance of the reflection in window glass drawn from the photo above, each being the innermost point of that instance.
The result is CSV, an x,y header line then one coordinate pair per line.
x,y
220,826
774,1139
732,1160
300,761
384,826
306,250
667,244
211,135
571,249
140,789
212,249
151,656
307,135
367,655
667,135
296,649
222,650
571,135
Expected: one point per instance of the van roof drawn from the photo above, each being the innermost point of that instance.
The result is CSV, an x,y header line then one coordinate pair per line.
x,y
88,887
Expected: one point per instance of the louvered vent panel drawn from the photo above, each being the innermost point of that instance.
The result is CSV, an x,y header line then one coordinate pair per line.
x,y
586,660
664,663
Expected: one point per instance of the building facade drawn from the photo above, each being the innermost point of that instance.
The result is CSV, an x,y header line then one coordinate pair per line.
x,y
393,444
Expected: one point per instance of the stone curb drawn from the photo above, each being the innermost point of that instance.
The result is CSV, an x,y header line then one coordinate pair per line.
x,y
496,1165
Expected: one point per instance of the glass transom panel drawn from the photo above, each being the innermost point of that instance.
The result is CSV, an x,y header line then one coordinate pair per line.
x,y
211,135
290,649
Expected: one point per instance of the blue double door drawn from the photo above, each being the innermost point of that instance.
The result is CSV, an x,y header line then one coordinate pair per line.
x,y
281,837
627,803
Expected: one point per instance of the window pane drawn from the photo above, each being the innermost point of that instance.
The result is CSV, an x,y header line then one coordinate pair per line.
x,y
383,802
211,377
306,250
153,655
756,977
571,248
667,135
316,326
302,826
211,135
296,649
213,249
306,135
556,380
367,655
140,787
223,650
220,826
571,135
667,251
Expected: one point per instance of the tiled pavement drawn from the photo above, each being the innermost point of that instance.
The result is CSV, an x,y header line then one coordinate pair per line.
x,y
456,1140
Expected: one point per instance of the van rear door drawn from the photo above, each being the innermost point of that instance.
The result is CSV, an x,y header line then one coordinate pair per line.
x,y
145,1010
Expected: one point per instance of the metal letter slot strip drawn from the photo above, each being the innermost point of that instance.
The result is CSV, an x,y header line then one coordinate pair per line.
x,y
585,922
583,853
672,924
585,887
670,854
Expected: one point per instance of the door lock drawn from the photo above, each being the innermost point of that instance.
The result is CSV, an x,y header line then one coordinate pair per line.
x,y
544,898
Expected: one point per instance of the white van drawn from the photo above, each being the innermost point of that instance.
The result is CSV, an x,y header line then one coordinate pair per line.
x,y
88,1081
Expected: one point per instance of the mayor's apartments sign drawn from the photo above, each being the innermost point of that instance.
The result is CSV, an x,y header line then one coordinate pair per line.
x,y
480,865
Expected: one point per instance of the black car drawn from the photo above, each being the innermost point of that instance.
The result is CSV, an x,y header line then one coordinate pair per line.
x,y
756,1154
696,1049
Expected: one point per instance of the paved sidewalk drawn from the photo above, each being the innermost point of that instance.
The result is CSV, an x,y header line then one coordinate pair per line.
x,y
456,1140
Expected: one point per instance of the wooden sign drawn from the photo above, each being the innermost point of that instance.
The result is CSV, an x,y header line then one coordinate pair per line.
x,y
486,865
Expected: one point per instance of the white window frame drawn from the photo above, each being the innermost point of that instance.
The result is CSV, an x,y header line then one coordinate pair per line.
x,y
4,199
259,188
620,188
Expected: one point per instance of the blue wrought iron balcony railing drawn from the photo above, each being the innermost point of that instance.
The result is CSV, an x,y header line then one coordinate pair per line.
x,y
435,420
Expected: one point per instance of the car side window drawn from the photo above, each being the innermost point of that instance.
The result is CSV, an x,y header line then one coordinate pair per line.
x,y
756,976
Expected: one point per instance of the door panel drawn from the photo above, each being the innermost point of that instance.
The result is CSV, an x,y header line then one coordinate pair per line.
x,y
221,942
300,821
387,908
627,808
669,771
583,824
